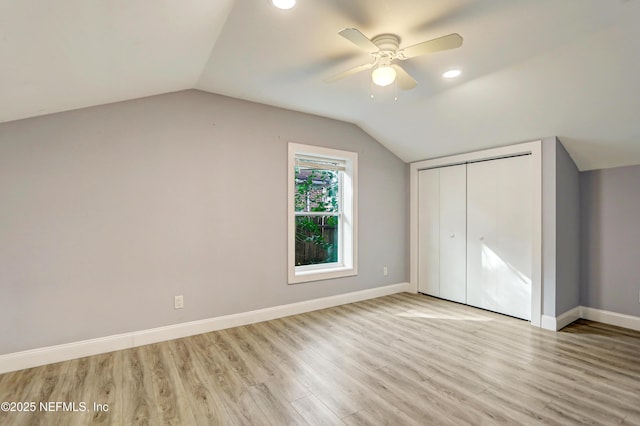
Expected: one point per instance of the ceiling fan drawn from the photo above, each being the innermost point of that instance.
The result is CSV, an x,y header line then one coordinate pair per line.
x,y
385,49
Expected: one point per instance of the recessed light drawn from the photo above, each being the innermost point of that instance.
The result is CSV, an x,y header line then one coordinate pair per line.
x,y
452,74
284,4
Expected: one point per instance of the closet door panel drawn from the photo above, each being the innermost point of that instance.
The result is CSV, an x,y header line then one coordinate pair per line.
x,y
499,236
515,237
482,259
453,233
429,232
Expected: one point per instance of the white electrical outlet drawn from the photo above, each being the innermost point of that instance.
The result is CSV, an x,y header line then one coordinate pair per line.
x,y
385,271
178,302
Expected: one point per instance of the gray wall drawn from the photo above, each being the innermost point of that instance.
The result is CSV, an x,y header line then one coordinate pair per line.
x,y
610,223
108,212
549,153
567,232
560,229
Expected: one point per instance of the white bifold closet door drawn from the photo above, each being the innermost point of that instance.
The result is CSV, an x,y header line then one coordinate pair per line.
x,y
499,235
442,232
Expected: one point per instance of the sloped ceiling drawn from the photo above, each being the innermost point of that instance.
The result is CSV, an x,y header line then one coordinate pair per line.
x,y
66,54
531,68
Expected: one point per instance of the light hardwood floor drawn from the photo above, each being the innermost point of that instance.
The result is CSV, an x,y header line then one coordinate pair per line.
x,y
400,360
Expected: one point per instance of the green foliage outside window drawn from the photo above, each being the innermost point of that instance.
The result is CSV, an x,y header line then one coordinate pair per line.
x,y
317,191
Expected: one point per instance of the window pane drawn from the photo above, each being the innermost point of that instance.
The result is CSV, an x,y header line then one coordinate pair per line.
x,y
316,240
317,190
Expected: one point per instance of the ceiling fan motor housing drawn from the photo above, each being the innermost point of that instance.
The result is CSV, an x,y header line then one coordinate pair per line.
x,y
390,42
388,45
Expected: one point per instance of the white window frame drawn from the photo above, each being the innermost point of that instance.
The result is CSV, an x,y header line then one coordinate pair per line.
x,y
347,264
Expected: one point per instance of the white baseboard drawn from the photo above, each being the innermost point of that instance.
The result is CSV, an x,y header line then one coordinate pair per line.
x,y
558,323
612,318
568,317
606,317
548,322
51,354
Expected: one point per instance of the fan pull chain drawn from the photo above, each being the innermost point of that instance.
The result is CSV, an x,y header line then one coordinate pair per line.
x,y
395,90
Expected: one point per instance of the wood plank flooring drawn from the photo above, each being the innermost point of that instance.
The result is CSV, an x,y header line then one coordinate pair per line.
x,y
404,359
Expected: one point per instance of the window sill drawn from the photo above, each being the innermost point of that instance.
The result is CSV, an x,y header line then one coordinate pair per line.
x,y
322,274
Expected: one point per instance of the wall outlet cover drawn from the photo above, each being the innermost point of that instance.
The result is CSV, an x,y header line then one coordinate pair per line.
x,y
178,302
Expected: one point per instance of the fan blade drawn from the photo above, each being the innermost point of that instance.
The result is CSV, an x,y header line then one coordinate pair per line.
x,y
405,81
347,73
451,41
359,39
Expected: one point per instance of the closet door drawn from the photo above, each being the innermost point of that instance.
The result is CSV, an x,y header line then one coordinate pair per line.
x,y
499,258
453,233
429,232
442,232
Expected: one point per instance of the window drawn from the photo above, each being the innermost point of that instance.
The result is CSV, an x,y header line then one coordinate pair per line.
x,y
322,213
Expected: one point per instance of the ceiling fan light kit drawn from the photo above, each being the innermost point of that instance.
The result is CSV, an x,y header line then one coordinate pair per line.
x,y
383,76
284,4
385,51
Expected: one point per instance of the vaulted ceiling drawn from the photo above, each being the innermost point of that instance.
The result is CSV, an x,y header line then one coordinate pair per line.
x,y
531,68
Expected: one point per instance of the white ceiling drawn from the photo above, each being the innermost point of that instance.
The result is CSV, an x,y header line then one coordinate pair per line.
x,y
531,68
